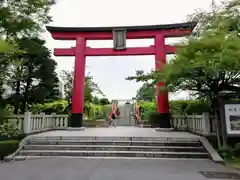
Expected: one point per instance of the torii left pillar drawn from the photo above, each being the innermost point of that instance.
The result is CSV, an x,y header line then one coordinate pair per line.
x,y
78,83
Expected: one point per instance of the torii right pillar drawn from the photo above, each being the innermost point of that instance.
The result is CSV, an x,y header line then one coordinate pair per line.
x,y
162,97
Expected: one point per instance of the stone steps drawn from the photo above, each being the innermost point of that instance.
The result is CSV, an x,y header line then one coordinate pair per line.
x,y
111,147
115,142
115,138
115,148
114,153
22,158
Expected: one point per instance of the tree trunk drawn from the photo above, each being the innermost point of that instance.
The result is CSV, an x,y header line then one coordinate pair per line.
x,y
221,141
26,95
28,84
17,99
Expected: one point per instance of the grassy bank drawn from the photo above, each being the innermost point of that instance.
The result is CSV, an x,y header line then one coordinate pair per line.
x,y
7,147
234,163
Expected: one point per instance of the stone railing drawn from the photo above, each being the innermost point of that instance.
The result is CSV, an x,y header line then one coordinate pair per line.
x,y
31,123
199,124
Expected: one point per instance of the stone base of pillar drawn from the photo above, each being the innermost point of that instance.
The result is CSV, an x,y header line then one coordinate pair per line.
x,y
75,128
164,120
164,129
76,120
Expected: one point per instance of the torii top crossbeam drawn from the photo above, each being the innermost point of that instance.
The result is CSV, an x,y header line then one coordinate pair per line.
x,y
132,32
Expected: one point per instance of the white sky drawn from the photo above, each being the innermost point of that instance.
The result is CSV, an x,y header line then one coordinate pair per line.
x,y
110,72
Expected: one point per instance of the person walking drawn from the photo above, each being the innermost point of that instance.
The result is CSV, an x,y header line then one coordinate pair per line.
x,y
117,112
113,119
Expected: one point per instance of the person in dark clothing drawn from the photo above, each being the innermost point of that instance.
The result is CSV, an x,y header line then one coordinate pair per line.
x,y
117,112
113,119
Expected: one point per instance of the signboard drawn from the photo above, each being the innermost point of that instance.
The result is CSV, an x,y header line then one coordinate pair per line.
x,y
232,118
119,39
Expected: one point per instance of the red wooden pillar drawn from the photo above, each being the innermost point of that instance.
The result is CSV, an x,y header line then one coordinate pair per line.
x,y
162,97
78,83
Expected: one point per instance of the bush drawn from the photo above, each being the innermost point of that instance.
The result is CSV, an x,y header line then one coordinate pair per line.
x,y
226,152
147,108
3,113
9,131
153,119
176,107
58,107
94,123
106,110
197,107
188,107
91,111
8,147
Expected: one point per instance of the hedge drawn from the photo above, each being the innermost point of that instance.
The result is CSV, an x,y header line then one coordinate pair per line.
x,y
197,107
92,111
94,123
176,107
58,107
8,147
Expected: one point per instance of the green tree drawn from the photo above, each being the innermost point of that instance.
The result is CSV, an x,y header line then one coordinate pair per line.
x,y
146,92
209,62
32,75
104,101
96,100
54,93
24,17
19,18
5,48
90,87
67,77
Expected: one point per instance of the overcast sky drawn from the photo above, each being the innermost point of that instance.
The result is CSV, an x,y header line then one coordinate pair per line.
x,y
110,72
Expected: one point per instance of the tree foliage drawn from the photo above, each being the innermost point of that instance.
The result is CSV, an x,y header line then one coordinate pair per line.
x,y
96,100
100,101
32,75
5,47
21,21
24,17
209,62
91,111
90,87
67,77
146,92
104,101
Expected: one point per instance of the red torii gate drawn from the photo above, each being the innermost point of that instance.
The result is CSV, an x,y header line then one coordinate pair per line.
x,y
119,34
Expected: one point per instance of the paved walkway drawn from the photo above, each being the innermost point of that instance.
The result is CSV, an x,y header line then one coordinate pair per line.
x,y
120,131
110,169
100,169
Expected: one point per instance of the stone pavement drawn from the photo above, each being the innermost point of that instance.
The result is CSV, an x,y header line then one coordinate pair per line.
x,y
119,131
107,169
